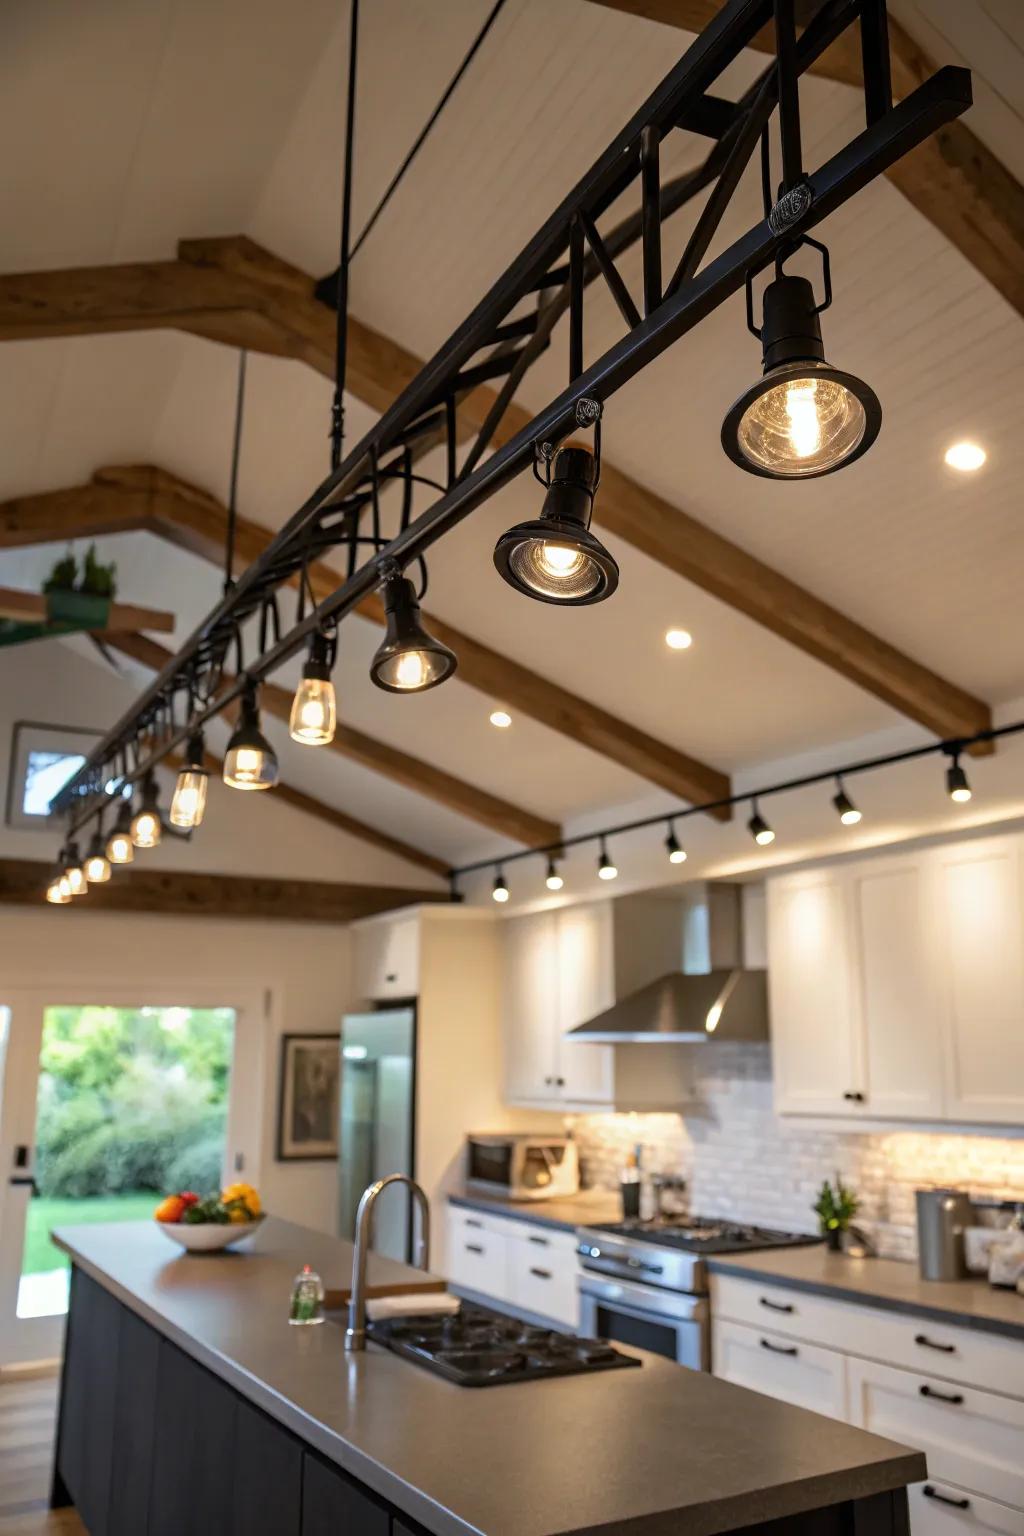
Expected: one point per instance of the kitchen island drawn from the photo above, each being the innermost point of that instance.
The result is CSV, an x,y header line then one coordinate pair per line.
x,y
189,1405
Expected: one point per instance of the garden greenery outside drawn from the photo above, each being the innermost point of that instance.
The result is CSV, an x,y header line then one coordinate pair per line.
x,y
132,1104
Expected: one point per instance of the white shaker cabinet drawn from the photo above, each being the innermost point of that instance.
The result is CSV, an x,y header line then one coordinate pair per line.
x,y
387,958
586,986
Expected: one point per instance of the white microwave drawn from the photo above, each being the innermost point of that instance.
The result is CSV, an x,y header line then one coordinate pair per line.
x,y
522,1166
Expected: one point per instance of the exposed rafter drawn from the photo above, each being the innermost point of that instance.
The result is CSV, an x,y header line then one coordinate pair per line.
x,y
166,505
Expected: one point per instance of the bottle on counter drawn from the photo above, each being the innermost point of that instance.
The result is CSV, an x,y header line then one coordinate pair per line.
x,y
630,1181
307,1297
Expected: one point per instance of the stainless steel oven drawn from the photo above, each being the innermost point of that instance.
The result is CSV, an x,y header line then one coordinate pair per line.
x,y
668,1323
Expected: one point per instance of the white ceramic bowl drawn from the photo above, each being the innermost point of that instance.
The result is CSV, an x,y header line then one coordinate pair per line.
x,y
207,1236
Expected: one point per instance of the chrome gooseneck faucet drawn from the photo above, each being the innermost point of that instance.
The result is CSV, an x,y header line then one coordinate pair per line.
x,y
355,1333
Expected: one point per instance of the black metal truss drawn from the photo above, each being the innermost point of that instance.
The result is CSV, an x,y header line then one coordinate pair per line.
x,y
513,324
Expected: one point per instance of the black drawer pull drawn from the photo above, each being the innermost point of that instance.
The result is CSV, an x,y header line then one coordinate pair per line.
x,y
473,1248
943,1397
933,1493
542,1242
780,1349
542,1274
854,1098
922,1338
776,1306
471,1221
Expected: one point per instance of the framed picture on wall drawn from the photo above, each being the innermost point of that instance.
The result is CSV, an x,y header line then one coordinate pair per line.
x,y
43,758
307,1106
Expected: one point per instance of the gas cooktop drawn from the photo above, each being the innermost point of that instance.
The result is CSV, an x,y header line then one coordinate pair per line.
x,y
699,1234
476,1347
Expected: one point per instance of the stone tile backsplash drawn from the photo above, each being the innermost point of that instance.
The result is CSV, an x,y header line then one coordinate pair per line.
x,y
742,1160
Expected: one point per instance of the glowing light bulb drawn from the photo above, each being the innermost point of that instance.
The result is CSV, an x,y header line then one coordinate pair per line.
x,y
411,671
802,411
56,893
314,712
188,805
146,830
559,559
553,881
97,869
678,639
501,718
965,456
119,848
500,889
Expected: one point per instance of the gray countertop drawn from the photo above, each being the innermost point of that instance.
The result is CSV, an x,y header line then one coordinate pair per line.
x,y
652,1452
591,1205
885,1283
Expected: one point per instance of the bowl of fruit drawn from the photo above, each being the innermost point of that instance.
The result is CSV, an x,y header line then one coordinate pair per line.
x,y
212,1223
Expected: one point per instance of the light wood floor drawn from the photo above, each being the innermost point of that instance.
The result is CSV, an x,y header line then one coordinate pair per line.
x,y
28,1412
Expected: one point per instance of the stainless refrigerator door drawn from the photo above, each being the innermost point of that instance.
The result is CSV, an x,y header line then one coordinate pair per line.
x,y
378,1053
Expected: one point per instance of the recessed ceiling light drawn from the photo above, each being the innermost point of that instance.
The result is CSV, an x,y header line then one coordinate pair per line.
x,y
965,456
678,639
501,718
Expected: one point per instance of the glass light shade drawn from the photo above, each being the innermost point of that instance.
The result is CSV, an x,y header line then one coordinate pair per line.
x,y
314,712
146,828
74,874
57,892
251,762
97,869
119,847
408,659
802,419
188,804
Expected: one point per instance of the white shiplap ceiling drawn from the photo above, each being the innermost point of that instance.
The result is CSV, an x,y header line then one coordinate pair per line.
x,y
182,119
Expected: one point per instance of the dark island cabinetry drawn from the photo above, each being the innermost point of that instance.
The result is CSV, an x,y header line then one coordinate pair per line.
x,y
151,1444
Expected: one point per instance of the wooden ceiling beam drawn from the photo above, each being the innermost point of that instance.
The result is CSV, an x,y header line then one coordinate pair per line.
x,y
184,893
34,608
411,772
952,178
195,521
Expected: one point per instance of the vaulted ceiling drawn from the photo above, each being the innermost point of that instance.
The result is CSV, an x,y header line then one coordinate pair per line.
x,y
180,122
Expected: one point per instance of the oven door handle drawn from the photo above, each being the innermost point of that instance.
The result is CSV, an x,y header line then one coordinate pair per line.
x,y
636,1301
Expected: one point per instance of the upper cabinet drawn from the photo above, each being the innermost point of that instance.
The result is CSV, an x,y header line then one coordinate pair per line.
x,y
897,985
387,958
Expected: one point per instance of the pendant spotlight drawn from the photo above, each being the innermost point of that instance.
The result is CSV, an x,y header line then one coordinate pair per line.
x,y
251,762
676,852
555,558
553,879
188,804
97,864
58,892
499,891
803,418
957,786
759,829
314,715
847,812
147,824
408,659
120,849
74,871
606,870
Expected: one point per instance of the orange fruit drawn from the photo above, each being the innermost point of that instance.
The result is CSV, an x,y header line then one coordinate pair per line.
x,y
171,1209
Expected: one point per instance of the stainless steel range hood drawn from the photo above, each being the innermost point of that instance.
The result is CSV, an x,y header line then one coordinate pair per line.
x,y
714,996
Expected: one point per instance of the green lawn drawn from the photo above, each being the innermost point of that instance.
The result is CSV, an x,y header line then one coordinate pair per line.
x,y
43,1214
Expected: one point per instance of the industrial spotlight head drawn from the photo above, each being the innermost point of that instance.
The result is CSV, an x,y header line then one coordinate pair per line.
x,y
553,879
803,418
314,714
555,558
120,848
58,891
251,762
847,812
147,824
74,871
408,659
675,850
188,805
758,828
499,890
97,865
957,785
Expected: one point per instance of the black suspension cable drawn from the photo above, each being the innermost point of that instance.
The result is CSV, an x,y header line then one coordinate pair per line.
x,y
341,344
236,449
428,125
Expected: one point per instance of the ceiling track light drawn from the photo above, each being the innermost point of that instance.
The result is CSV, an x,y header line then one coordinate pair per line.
x,y
606,870
676,852
847,812
555,558
314,715
758,828
97,864
120,848
188,803
58,892
147,824
553,880
803,418
957,785
408,659
74,871
250,762
499,891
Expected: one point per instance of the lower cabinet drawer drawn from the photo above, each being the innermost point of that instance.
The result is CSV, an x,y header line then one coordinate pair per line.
x,y
478,1259
942,1509
768,1362
974,1438
543,1280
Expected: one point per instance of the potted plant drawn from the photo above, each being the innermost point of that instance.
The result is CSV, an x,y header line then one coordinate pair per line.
x,y
835,1209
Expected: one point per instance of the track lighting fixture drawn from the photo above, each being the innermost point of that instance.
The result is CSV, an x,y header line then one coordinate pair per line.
x,y
251,762
500,890
676,853
804,417
188,804
408,659
120,849
759,829
957,786
556,558
314,713
97,865
58,892
74,871
553,880
147,823
846,810
606,870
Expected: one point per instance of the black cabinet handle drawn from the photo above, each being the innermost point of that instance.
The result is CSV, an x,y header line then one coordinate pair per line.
x,y
471,1221
854,1098
943,1397
776,1306
473,1248
391,976
923,1339
541,1242
548,1081
780,1349
560,1082
542,1274
942,1498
